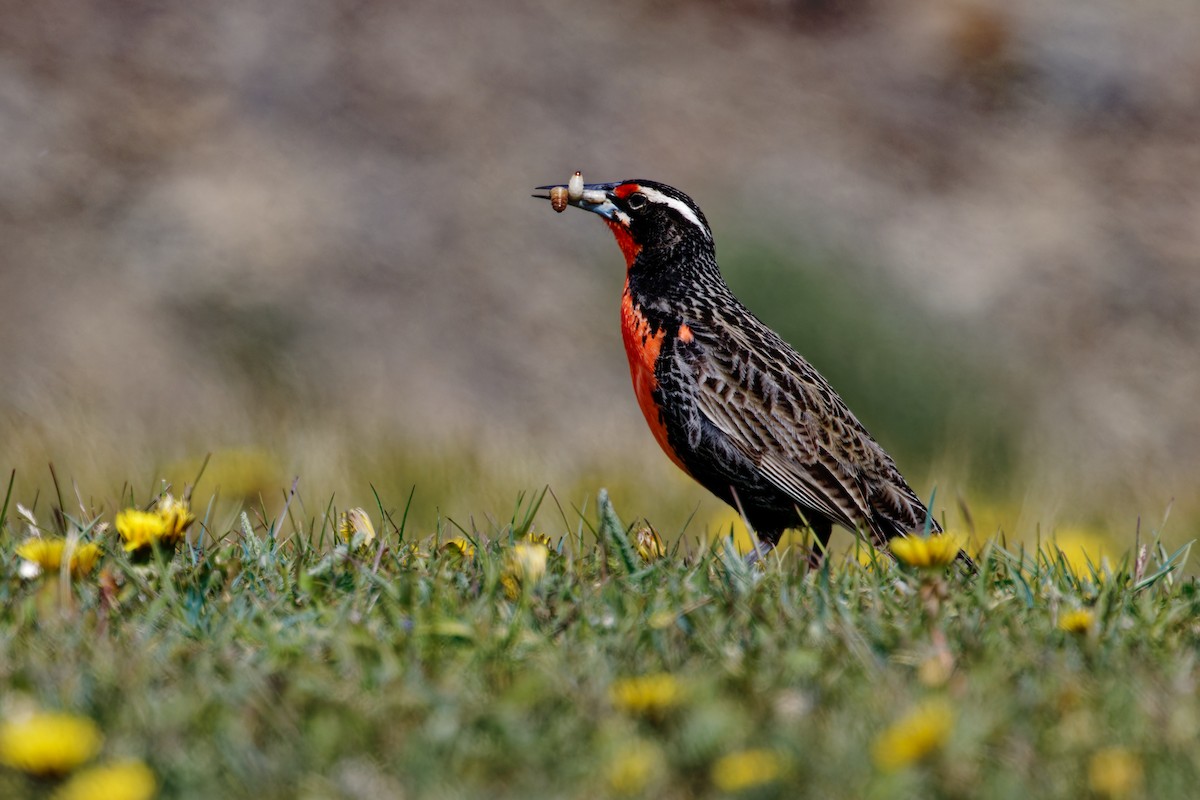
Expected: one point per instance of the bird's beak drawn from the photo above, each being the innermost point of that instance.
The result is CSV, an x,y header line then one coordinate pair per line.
x,y
595,197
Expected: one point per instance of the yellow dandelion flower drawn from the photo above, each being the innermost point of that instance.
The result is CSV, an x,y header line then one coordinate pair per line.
x,y
176,514
141,530
524,566
937,550
48,744
45,555
125,780
646,695
84,558
649,544
633,768
746,769
356,523
915,736
528,561
1078,621
538,538
459,546
1114,772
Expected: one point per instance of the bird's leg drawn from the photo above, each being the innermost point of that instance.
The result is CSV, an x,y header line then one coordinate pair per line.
x,y
762,548
763,543
822,529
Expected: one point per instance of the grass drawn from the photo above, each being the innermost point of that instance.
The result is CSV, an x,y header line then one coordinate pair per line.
x,y
278,661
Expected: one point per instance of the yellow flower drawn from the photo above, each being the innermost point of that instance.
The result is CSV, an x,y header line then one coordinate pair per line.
x,y
646,695
125,780
460,546
528,562
938,550
1114,772
356,523
538,538
141,530
916,735
46,555
164,525
632,769
48,744
649,544
524,567
746,769
176,514
1078,621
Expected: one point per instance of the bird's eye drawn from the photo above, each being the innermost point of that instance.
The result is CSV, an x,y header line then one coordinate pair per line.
x,y
636,201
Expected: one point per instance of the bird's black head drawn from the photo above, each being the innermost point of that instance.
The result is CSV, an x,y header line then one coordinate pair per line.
x,y
644,215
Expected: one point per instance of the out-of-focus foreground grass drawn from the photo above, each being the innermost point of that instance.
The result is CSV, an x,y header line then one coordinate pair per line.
x,y
316,654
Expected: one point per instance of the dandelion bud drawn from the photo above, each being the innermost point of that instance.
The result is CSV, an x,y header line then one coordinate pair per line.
x,y
356,528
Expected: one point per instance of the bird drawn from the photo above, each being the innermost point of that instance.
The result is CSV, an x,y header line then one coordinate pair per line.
x,y
728,400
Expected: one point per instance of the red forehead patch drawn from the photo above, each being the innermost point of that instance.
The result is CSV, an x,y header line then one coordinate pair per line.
x,y
625,189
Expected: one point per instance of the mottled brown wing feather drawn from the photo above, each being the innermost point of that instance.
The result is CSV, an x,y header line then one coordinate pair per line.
x,y
787,419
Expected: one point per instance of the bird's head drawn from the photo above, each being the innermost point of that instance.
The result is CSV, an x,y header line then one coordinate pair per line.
x,y
643,215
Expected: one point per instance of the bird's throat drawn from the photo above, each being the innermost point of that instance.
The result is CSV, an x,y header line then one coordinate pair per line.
x,y
625,241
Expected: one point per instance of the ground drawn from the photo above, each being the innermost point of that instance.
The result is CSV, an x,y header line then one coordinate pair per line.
x,y
321,655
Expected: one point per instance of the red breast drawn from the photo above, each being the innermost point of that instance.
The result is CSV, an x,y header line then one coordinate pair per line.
x,y
643,346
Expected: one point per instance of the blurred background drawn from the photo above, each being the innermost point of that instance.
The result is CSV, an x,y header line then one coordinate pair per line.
x,y
299,236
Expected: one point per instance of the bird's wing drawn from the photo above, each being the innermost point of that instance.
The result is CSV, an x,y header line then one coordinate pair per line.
x,y
786,418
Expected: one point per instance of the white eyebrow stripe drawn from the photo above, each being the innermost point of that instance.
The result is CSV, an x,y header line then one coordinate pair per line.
x,y
655,196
